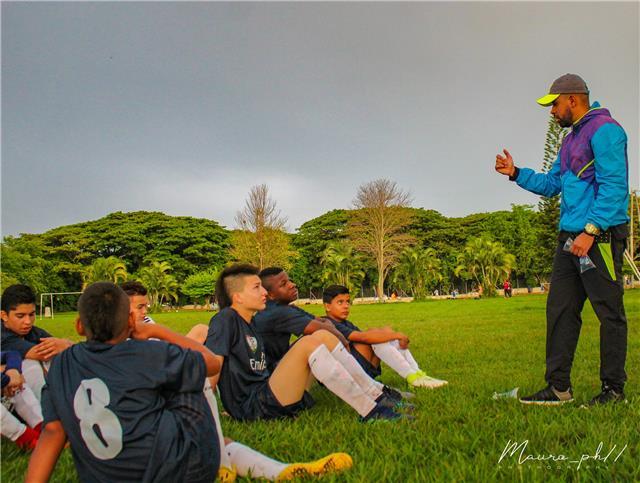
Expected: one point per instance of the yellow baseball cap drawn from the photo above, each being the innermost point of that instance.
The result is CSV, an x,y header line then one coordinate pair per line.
x,y
566,84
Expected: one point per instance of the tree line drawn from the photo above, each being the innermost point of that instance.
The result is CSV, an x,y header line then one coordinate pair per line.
x,y
379,245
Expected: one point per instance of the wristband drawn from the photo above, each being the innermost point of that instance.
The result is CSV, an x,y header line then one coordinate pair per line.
x,y
516,172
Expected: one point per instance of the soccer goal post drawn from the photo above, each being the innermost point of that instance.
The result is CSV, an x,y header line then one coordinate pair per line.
x,y
50,296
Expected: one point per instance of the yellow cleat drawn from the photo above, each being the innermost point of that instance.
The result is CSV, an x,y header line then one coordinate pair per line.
x,y
333,463
227,475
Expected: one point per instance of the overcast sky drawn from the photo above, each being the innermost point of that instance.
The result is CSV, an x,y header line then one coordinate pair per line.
x,y
182,107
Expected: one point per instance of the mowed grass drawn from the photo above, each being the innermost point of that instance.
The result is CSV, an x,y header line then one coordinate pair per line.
x,y
460,432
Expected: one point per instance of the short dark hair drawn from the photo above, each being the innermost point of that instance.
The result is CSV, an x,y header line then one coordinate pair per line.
x,y
267,273
332,291
225,286
104,311
15,295
133,287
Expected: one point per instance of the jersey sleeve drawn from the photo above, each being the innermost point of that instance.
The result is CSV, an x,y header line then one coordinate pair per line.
x,y
344,328
220,337
185,369
291,320
49,413
13,342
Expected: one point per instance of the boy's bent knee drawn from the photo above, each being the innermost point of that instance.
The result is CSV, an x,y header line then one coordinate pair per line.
x,y
325,337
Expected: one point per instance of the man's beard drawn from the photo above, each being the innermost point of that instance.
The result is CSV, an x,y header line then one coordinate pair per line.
x,y
563,122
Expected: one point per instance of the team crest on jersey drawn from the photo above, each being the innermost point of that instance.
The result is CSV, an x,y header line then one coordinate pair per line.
x,y
253,343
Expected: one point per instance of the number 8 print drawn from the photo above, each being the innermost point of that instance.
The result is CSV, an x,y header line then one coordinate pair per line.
x,y
99,427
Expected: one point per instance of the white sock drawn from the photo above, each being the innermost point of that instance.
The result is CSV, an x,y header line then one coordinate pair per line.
x,y
407,355
249,461
213,405
33,376
368,385
392,357
9,425
409,358
335,377
27,406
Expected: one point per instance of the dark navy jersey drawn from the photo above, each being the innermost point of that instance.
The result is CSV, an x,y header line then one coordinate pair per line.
x,y
276,324
11,341
133,411
244,370
345,327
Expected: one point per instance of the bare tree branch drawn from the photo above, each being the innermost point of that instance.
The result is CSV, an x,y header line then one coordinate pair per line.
x,y
378,226
261,239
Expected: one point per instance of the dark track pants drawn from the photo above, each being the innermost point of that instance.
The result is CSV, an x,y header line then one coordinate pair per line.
x,y
569,290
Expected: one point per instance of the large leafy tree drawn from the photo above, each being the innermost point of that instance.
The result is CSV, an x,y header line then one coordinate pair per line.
x,y
379,226
417,271
342,265
160,284
187,244
486,262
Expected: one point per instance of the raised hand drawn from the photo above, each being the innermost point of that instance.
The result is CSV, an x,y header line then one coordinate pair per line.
x,y
504,164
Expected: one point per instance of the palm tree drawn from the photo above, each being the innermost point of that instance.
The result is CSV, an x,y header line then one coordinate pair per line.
x,y
110,269
159,283
342,265
417,269
486,262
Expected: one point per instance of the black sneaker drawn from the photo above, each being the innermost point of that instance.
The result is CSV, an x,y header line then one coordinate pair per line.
x,y
608,395
386,401
380,413
396,394
549,396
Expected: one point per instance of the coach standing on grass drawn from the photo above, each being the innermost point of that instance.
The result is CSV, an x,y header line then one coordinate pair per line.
x,y
591,171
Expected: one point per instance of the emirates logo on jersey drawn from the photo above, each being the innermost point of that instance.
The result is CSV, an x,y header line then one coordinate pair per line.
x,y
252,342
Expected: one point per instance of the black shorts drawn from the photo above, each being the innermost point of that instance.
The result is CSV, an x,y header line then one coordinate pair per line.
x,y
369,368
264,405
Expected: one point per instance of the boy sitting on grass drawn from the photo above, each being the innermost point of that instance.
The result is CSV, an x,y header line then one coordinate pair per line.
x,y
18,332
133,409
235,458
370,346
248,390
35,345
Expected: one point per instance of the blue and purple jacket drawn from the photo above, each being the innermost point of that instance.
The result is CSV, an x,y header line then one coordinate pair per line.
x,y
591,171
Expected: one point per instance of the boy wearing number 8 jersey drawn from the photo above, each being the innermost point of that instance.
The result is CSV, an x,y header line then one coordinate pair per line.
x,y
132,409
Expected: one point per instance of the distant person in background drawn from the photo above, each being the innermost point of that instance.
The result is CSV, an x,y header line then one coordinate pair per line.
x,y
506,287
592,173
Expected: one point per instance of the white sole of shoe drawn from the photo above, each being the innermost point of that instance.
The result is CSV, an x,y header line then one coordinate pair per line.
x,y
547,403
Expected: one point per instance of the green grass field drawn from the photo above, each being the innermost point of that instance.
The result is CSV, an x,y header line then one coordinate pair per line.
x,y
479,346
